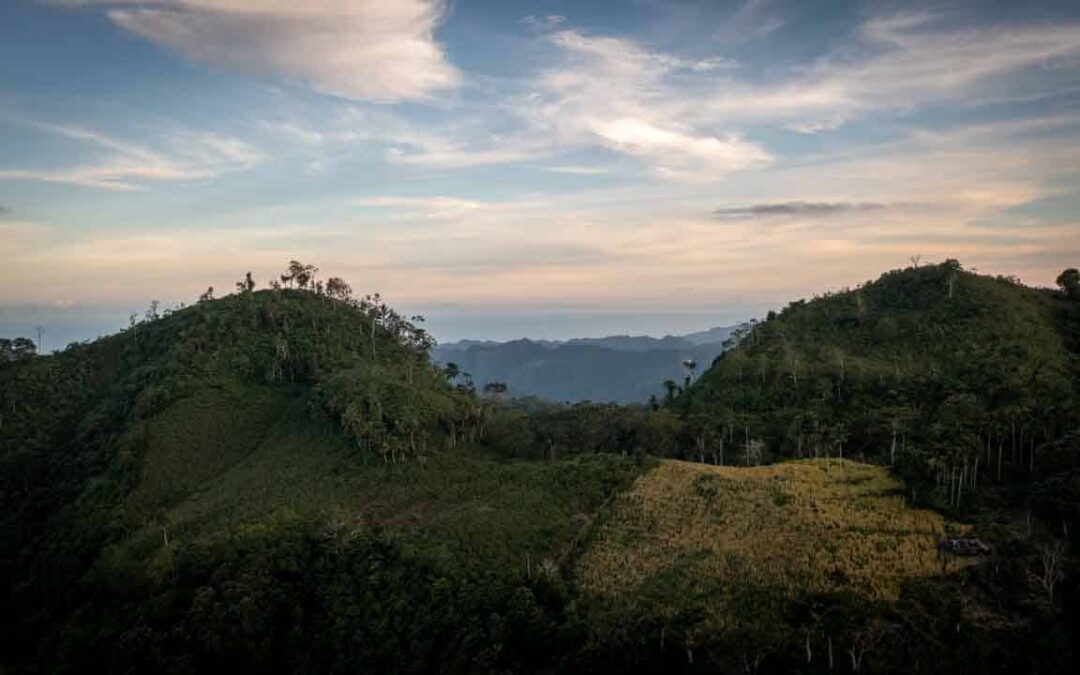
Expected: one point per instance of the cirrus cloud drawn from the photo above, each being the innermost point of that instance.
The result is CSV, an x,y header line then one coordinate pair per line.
x,y
127,166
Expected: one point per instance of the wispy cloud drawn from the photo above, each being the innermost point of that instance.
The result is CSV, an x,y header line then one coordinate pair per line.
x,y
578,170
940,178
432,207
610,92
796,208
685,119
896,62
543,23
363,49
127,166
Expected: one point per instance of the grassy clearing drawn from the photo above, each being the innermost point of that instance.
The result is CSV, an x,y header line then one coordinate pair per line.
x,y
807,526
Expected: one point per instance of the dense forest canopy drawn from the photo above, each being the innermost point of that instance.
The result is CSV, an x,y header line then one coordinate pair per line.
x,y
939,370
282,480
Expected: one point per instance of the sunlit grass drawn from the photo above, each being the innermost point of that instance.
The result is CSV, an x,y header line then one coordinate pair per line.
x,y
808,526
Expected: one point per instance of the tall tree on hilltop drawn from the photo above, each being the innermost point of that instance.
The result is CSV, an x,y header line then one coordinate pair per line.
x,y
245,285
298,273
1069,282
337,288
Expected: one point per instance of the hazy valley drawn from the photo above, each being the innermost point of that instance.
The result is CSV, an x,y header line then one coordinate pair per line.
x,y
623,369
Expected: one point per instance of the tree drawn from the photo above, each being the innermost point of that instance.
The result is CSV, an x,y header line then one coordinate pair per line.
x,y
18,349
1052,559
208,295
451,370
337,288
495,388
952,270
245,285
300,274
691,368
670,386
1069,282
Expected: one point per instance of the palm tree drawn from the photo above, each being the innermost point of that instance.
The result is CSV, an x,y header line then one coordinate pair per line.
x,y
670,386
451,371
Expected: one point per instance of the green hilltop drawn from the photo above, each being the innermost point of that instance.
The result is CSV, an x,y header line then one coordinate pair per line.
x,y
281,480
941,372
274,480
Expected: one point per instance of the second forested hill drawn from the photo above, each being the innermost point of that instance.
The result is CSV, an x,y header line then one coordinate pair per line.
x,y
933,361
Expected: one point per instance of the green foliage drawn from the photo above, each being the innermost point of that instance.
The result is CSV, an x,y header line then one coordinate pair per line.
x,y
547,430
276,481
1069,282
281,480
18,349
931,369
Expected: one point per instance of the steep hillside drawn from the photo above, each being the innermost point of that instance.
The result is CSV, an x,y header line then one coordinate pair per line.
x,y
932,368
273,481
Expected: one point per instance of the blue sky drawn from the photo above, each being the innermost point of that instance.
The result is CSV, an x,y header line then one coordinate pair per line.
x,y
555,168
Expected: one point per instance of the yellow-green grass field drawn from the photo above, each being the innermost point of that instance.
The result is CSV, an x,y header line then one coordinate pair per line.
x,y
806,526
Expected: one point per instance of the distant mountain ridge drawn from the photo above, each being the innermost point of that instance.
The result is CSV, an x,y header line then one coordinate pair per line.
x,y
617,368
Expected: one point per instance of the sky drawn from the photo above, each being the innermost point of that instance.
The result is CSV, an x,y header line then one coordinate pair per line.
x,y
546,169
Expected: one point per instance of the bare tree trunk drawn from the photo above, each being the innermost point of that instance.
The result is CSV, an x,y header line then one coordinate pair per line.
x,y
1012,441
892,449
960,484
747,429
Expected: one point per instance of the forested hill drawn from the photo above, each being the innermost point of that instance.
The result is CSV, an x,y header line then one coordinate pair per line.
x,y
190,494
281,480
951,374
